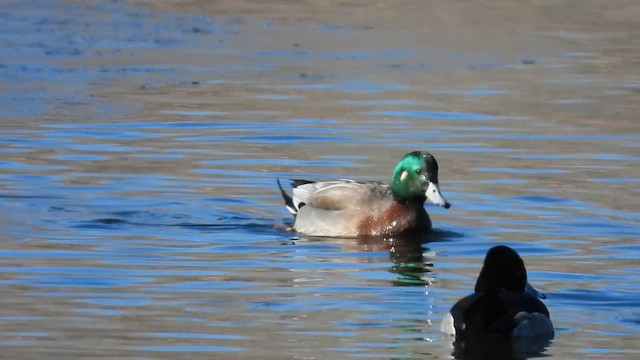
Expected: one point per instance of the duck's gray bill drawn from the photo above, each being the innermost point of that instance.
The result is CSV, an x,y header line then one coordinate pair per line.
x,y
535,292
433,194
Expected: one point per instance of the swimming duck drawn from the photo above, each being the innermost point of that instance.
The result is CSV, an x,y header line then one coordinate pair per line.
x,y
348,208
501,304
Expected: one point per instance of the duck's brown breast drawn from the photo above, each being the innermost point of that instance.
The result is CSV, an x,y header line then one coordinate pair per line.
x,y
396,218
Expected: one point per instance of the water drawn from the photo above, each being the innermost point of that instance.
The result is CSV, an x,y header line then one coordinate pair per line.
x,y
141,142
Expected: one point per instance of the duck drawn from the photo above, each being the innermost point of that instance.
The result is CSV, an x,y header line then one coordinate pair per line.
x,y
503,305
348,208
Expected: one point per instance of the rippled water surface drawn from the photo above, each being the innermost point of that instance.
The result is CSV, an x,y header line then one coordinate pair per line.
x,y
141,143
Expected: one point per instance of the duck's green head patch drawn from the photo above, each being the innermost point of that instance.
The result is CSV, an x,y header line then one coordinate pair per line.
x,y
415,179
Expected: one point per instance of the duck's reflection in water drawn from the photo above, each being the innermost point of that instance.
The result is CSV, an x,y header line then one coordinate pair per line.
x,y
494,347
410,257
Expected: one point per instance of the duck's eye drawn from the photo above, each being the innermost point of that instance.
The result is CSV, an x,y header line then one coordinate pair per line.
x,y
418,171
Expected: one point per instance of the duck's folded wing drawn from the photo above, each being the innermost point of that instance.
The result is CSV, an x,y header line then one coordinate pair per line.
x,y
532,324
333,195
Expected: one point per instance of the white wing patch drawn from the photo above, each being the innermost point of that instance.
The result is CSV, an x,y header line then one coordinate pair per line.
x,y
447,326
